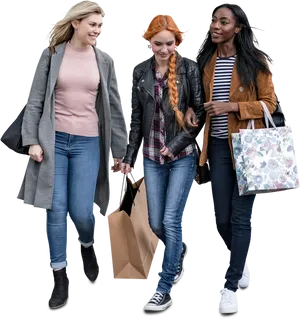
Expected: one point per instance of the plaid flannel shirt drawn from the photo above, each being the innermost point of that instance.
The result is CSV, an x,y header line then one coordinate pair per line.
x,y
157,136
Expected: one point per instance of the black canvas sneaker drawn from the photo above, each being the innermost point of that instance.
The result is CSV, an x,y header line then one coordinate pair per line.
x,y
159,302
179,273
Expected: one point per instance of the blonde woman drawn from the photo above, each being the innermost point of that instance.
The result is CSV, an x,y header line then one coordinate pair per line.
x,y
72,118
163,88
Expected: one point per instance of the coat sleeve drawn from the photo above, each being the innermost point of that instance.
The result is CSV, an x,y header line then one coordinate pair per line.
x,y
265,92
118,126
35,104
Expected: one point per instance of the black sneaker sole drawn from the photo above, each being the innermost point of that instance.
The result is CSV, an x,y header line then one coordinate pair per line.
x,y
150,308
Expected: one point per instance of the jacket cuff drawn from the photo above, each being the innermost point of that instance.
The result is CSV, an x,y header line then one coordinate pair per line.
x,y
118,154
30,141
176,147
243,112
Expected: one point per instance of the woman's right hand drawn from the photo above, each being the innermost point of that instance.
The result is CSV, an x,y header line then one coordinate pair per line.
x,y
125,168
36,152
190,118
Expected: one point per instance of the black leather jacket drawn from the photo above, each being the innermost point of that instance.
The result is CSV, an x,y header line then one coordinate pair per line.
x,y
143,106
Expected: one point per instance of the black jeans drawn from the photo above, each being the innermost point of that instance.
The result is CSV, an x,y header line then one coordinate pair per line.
x,y
233,212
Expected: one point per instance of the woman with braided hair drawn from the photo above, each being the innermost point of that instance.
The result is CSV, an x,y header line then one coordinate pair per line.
x,y
164,86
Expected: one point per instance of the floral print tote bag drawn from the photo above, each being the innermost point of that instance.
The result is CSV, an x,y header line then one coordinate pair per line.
x,y
264,158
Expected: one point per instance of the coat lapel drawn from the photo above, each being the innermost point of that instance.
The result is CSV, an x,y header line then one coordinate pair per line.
x,y
102,65
102,96
56,60
208,78
146,81
235,81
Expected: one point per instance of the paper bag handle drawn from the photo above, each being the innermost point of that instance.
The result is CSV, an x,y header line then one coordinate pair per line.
x,y
267,115
132,180
129,188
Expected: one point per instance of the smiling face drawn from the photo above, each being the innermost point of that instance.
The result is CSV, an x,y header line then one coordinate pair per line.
x,y
163,45
88,29
223,28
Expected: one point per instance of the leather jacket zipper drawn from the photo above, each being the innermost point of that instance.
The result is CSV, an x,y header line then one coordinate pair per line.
x,y
143,89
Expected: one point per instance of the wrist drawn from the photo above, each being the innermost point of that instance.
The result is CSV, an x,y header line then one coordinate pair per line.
x,y
235,107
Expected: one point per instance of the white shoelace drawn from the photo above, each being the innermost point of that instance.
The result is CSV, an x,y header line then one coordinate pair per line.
x,y
156,299
226,296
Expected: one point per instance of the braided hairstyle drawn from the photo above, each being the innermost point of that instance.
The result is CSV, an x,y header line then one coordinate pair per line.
x,y
158,24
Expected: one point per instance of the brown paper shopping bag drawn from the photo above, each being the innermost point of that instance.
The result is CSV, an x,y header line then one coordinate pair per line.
x,y
133,243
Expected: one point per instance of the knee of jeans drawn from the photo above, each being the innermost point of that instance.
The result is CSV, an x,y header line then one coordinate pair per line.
x,y
83,222
240,223
223,224
56,218
157,229
82,217
172,225
58,213
59,205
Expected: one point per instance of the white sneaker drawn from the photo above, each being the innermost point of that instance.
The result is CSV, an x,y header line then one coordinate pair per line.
x,y
228,303
244,281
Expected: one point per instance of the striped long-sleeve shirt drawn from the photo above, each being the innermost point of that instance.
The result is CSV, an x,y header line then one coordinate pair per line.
x,y
221,90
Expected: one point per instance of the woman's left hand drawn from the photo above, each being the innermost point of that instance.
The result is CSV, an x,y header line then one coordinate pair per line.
x,y
166,152
116,162
214,108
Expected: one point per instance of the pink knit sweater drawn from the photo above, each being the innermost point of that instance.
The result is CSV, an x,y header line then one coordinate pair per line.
x,y
76,91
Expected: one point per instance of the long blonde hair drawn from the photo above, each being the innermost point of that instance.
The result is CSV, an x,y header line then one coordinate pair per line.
x,y
158,24
63,29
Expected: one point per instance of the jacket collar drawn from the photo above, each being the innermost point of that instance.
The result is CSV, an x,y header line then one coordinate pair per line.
x,y
208,75
180,67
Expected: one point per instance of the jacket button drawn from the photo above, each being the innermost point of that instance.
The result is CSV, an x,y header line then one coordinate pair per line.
x,y
241,89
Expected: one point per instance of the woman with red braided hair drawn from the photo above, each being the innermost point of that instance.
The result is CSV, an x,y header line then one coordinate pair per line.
x,y
164,86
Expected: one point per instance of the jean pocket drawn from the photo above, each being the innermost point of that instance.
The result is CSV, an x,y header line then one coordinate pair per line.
x,y
193,154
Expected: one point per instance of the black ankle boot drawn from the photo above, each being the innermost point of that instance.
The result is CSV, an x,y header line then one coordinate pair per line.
x,y
60,291
90,265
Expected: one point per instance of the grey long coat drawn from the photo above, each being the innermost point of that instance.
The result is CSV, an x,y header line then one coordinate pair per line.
x,y
39,128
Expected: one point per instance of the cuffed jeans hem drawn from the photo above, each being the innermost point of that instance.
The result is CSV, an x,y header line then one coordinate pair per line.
x,y
163,291
86,245
61,264
230,288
